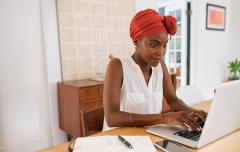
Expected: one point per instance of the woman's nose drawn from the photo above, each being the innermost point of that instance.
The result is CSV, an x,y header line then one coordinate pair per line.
x,y
161,51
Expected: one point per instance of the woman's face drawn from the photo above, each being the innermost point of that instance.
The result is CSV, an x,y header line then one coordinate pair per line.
x,y
152,48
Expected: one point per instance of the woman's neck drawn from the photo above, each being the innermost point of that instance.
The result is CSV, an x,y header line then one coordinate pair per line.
x,y
143,65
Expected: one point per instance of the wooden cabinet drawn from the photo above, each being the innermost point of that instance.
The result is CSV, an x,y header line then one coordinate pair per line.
x,y
74,96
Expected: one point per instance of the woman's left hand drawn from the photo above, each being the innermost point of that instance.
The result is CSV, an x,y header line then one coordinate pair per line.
x,y
198,114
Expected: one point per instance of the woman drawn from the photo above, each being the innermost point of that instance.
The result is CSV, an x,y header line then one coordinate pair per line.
x,y
135,87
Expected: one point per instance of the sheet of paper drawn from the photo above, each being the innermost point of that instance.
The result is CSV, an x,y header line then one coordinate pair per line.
x,y
113,144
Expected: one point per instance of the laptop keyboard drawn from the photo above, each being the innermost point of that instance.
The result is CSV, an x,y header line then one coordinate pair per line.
x,y
192,135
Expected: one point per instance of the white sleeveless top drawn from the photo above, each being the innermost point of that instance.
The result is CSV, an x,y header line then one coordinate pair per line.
x,y
136,95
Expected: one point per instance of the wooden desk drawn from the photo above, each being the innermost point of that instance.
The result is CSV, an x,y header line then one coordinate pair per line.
x,y
229,143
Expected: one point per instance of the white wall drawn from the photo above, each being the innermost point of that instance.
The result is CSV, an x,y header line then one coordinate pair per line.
x,y
234,30
53,61
210,49
144,4
24,103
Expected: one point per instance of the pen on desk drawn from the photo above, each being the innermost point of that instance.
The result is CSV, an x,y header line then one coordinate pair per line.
x,y
125,142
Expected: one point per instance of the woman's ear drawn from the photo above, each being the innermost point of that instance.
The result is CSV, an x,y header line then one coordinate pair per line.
x,y
135,43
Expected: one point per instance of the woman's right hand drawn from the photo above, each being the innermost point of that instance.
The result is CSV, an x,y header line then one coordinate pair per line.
x,y
184,118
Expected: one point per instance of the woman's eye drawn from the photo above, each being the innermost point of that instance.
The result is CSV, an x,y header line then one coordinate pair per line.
x,y
153,45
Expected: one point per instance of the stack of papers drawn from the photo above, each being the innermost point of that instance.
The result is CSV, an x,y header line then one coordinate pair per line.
x,y
113,144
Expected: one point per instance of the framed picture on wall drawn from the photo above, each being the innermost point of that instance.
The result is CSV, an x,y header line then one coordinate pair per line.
x,y
216,17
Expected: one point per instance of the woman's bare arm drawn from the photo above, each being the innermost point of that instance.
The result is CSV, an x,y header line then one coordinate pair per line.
x,y
174,102
169,92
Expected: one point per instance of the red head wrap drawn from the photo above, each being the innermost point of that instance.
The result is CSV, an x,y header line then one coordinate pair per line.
x,y
148,22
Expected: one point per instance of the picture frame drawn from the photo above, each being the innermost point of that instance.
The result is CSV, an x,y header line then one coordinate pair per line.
x,y
215,17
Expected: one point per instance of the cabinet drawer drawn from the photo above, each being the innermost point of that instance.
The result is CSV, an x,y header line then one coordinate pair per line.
x,y
100,91
100,103
91,104
88,93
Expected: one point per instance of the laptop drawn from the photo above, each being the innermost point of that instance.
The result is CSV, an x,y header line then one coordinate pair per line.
x,y
223,119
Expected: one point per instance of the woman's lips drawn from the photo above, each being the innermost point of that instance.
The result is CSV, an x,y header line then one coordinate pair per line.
x,y
156,59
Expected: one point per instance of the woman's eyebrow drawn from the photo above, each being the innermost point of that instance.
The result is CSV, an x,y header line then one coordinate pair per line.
x,y
155,41
158,41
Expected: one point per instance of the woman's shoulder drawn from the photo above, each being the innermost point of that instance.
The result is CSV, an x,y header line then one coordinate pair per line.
x,y
119,63
115,64
114,72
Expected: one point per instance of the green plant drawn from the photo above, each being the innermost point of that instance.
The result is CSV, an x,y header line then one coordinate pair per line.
x,y
234,68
